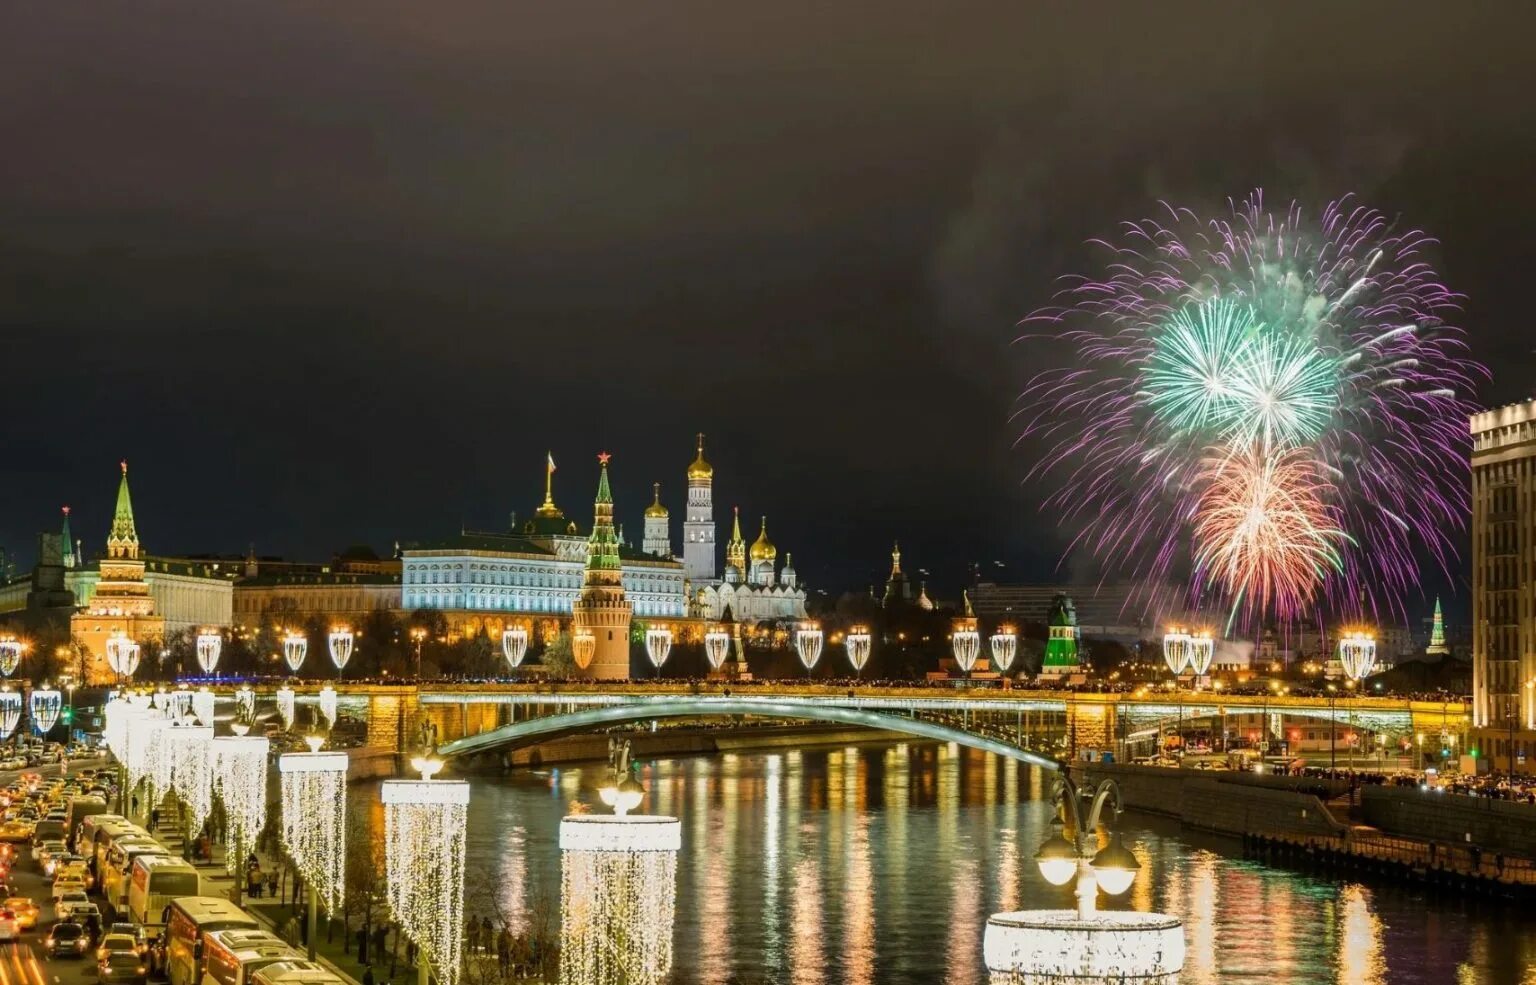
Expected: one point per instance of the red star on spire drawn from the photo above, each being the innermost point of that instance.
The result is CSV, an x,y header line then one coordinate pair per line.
x,y
124,464
603,457
66,511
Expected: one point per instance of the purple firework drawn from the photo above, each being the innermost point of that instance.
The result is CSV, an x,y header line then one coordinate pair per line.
x,y
1260,334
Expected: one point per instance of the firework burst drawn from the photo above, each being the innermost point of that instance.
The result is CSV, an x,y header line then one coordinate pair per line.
x,y
1279,339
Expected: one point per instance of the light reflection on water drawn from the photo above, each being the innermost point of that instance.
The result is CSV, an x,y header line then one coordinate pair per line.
x,y
881,863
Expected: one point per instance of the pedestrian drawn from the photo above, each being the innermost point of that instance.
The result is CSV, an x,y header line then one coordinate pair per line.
x,y
380,936
253,881
504,950
272,884
368,975
471,934
487,934
154,818
362,945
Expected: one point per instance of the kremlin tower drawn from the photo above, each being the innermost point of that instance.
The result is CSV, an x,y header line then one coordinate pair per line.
x,y
601,609
699,521
658,538
121,604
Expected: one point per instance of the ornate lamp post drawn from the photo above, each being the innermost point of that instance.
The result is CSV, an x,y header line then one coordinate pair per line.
x,y
808,640
45,703
424,853
1357,654
122,656
1005,646
340,641
295,649
418,636
1176,656
10,655
1201,650
210,644
965,643
10,712
658,645
717,646
314,824
514,645
858,643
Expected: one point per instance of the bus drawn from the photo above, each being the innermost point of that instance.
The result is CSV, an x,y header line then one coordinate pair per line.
x,y
106,835
113,878
89,829
188,921
230,957
154,882
81,808
297,972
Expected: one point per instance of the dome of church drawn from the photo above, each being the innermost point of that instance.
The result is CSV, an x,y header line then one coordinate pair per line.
x,y
701,469
762,548
656,509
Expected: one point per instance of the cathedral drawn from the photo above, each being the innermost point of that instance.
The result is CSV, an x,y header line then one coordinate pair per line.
x,y
754,588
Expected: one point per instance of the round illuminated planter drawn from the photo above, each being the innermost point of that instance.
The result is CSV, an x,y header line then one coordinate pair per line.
x,y
1054,947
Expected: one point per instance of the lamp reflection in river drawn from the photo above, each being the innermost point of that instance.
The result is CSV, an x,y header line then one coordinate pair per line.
x,y
1200,967
858,915
1361,957
773,805
807,948
964,928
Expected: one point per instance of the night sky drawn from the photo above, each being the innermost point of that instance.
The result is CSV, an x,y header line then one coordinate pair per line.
x,y
337,272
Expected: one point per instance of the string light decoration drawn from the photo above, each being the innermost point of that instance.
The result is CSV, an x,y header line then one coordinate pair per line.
x,y
202,706
1005,646
1357,652
1055,946
717,645
514,645
161,700
965,644
857,644
314,819
117,715
239,764
187,747
142,743
340,642
1202,649
285,706
658,645
327,705
245,707
808,640
209,645
180,704
10,713
161,754
618,898
122,655
295,648
424,824
1176,650
45,704
10,655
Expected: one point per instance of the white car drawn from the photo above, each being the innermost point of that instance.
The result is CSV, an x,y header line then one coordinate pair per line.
x,y
73,905
42,849
65,886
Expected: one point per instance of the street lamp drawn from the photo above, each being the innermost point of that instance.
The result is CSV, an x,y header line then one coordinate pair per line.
x,y
210,644
10,655
965,644
341,641
1357,654
857,645
1112,869
1005,646
808,640
514,645
583,647
418,636
717,644
658,646
295,648
122,656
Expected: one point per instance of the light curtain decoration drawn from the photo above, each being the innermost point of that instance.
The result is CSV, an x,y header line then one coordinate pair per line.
x,y
162,758
514,645
314,819
808,641
618,898
857,644
245,706
122,655
142,743
717,643
1202,649
327,704
10,713
295,647
45,705
10,656
658,645
424,852
285,706
240,784
180,704
1005,646
1357,652
340,641
202,706
191,770
209,646
1176,650
965,643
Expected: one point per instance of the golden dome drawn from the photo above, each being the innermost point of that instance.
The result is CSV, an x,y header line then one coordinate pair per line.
x,y
762,548
656,509
700,469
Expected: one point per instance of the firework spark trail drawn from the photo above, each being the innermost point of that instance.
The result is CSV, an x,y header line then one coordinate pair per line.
x,y
1322,338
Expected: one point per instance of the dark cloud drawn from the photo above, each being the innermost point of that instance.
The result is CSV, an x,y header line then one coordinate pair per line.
x,y
342,272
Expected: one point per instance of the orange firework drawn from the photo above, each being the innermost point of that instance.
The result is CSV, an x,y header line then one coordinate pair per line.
x,y
1263,528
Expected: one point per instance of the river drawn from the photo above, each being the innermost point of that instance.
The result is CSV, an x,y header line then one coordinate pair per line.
x,y
879,864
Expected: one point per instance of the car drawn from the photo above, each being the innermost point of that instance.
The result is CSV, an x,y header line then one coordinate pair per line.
x,y
133,930
71,867
73,905
122,968
62,887
16,830
43,849
25,910
117,942
10,927
66,940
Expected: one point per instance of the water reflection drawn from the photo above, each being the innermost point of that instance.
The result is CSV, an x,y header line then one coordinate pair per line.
x,y
881,863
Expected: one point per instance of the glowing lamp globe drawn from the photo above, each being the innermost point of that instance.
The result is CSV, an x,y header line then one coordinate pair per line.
x,y
1357,652
1201,649
10,713
1057,860
340,642
858,643
658,645
583,647
1115,867
45,704
295,648
808,640
209,645
717,645
514,645
10,656
122,655
1005,646
1176,650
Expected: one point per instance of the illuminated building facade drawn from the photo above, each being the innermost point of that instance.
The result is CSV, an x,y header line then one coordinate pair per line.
x,y
754,589
1503,585
121,603
1061,645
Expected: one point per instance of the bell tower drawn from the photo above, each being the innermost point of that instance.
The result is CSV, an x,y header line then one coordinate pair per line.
x,y
699,521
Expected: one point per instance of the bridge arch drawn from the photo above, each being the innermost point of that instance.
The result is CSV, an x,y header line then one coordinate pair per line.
x,y
589,719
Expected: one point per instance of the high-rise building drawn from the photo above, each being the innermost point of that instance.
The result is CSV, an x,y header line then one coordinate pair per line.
x,y
1503,586
121,603
601,609
699,521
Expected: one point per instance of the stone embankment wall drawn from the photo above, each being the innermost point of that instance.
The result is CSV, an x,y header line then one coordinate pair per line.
x,y
1494,825
1227,803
